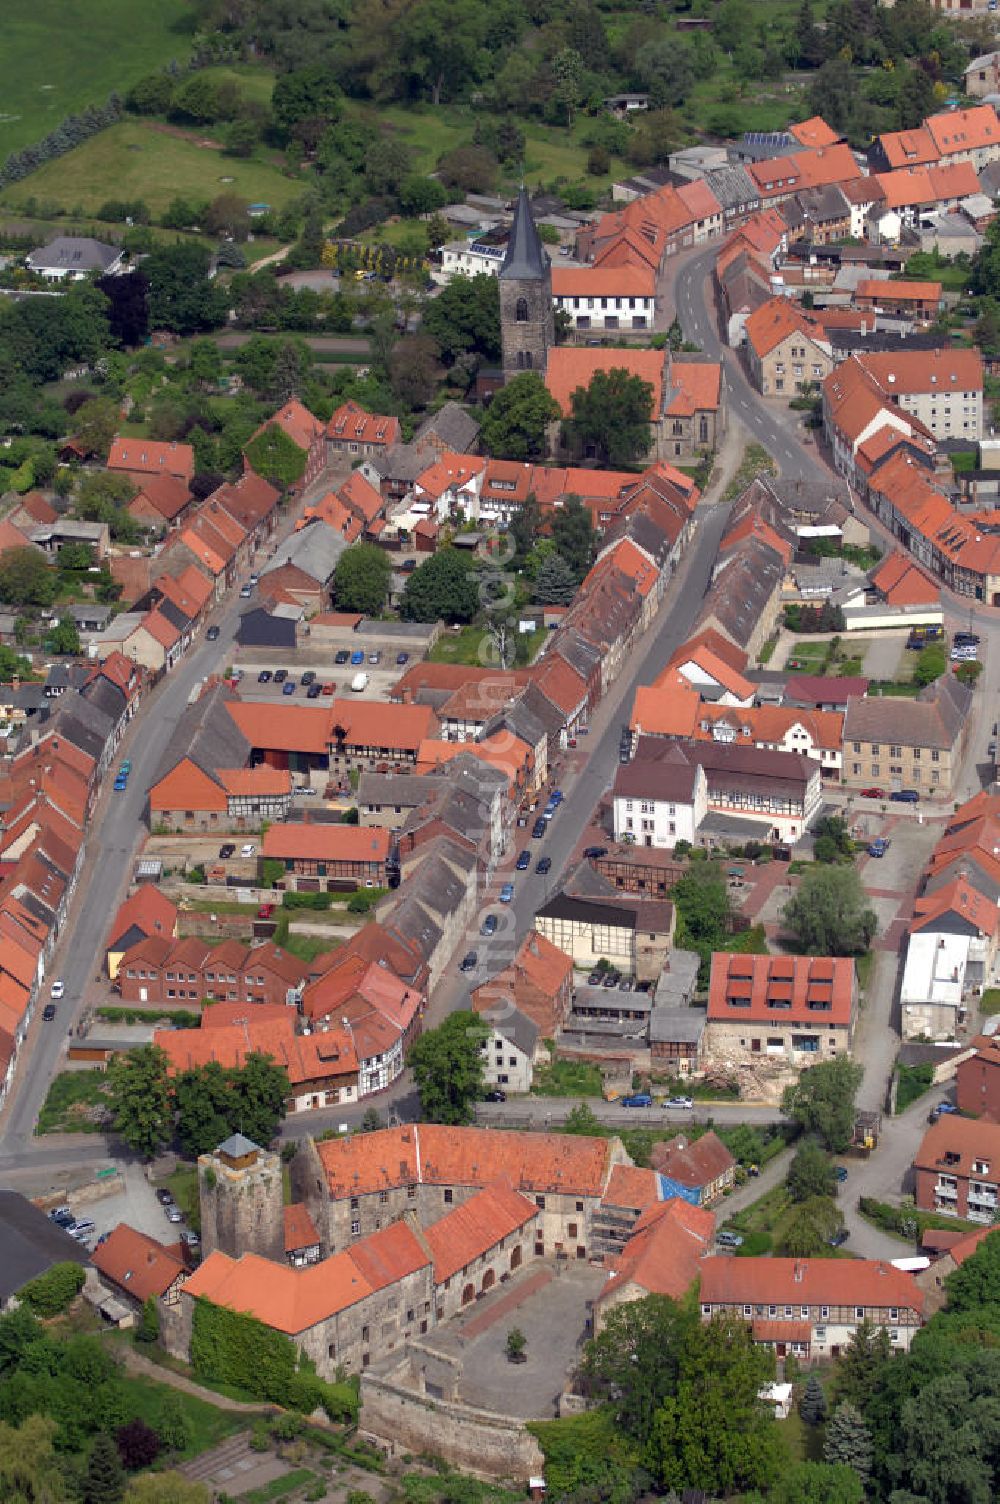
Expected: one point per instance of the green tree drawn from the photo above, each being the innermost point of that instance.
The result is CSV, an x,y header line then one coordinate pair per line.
x,y
25,578
439,45
816,1483
829,915
611,415
213,1101
413,369
63,638
555,582
810,1173
821,1101
29,1467
809,1228
172,1423
305,94
524,529
464,318
572,529
582,1121
930,665
139,1097
148,1329
442,588
104,1479
634,1364
75,556
515,423
95,424
701,899
714,1432
848,1441
361,579
205,362
863,1365
812,1405
977,1281
447,1066
181,297
50,1293
833,832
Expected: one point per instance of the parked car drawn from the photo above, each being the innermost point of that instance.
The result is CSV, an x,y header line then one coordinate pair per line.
x,y
248,849
593,852
905,796
595,979
611,979
966,639
489,925
873,793
507,893
288,688
543,865
841,1173
61,1214
265,911
375,657
126,766
469,961
341,656
164,1197
57,990
357,656
280,675
523,861
190,1238
637,1099
84,1229
401,659
49,1012
726,1238
330,688
680,1102
496,1095
538,829
173,1213
309,677
246,591
625,985
226,851
945,1106
839,1238
264,677
212,634
120,784
878,847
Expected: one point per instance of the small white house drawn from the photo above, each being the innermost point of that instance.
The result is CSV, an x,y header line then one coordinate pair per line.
x,y
659,803
72,258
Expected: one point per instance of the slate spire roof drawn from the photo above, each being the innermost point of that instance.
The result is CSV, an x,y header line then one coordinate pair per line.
x,y
526,260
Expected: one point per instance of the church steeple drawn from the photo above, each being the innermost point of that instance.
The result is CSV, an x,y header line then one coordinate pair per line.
x,y
526,257
527,324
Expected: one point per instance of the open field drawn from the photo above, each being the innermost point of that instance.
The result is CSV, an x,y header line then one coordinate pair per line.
x,y
61,55
135,160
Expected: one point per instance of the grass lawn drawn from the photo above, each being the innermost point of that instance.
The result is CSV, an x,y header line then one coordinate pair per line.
x,y
278,1488
308,947
808,647
71,1104
207,1425
135,160
567,1078
61,55
254,82
864,966
990,1000
464,646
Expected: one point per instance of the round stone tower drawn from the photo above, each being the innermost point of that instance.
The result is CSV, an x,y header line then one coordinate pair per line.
x,y
242,1206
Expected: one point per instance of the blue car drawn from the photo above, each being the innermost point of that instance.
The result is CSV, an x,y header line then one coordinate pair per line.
x,y
878,847
639,1099
288,688
357,657
507,893
523,861
120,784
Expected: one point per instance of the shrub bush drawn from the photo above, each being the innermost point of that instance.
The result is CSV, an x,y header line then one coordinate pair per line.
x,y
55,1290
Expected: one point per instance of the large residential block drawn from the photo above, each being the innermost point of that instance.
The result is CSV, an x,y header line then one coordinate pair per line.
x,y
957,1168
908,744
786,1010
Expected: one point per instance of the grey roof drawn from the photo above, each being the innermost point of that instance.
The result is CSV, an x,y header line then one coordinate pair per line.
x,y
965,864
30,1243
408,790
679,979
400,462
741,590
588,911
453,426
260,628
516,1026
676,1025
314,549
732,186
107,697
885,340
236,1145
90,612
75,253
84,723
206,733
526,259
934,719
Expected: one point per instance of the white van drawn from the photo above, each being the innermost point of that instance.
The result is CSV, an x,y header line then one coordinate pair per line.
x,y
359,684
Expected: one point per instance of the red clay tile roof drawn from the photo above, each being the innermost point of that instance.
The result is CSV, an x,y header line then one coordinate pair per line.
x,y
570,366
816,990
666,1251
300,839
603,282
300,1229
353,425
964,1140
694,1164
152,457
813,132
148,910
472,1229
136,1263
631,1187
774,321
799,1282
959,131
167,494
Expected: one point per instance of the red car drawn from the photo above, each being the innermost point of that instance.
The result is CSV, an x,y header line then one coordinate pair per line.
x,y
873,793
265,911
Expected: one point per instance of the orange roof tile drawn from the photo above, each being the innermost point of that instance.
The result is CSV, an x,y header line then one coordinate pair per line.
x,y
665,711
295,420
167,494
774,321
697,387
813,132
290,1300
300,1229
187,786
352,424
301,840
823,165
603,282
666,1251
909,148
631,1187
468,1231
960,899
152,457
570,366
284,728
147,910
965,130
807,989
137,1263
360,497
899,291
450,471
799,1282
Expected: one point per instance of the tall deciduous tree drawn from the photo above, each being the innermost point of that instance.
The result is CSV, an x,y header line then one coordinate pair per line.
x,y
810,1173
25,578
29,1467
181,297
361,579
634,1364
139,1095
573,535
822,1101
443,588
829,915
515,423
612,415
465,318
447,1065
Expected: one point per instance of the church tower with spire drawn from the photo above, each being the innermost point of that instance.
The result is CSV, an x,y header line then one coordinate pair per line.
x,y
527,326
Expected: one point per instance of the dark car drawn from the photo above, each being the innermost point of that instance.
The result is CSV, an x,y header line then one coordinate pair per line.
x,y
966,639
212,634
595,979
538,830
164,1197
593,852
611,979
402,658
308,677
225,852
264,677
49,1012
841,1173
409,565
839,1238
489,925
523,861
905,796
280,675
543,865
288,688
342,656
314,691
469,961
495,1096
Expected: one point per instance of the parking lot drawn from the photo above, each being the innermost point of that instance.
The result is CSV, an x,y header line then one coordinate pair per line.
x,y
382,679
136,1204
